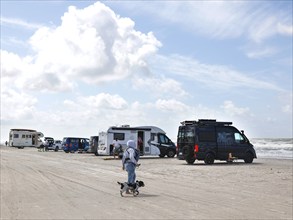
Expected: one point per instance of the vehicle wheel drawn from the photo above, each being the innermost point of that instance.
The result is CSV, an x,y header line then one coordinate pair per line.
x,y
188,154
209,159
171,153
96,153
190,160
248,158
161,155
57,148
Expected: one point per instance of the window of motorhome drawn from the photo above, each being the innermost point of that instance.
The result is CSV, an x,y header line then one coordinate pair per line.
x,y
119,136
23,136
15,136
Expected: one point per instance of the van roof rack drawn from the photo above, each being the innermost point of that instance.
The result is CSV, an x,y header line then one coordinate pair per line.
x,y
205,122
188,122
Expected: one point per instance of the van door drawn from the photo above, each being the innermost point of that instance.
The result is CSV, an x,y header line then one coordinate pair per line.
x,y
140,142
226,141
230,141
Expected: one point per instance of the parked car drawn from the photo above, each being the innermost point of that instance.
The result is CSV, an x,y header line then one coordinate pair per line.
x,y
73,144
57,145
209,140
48,141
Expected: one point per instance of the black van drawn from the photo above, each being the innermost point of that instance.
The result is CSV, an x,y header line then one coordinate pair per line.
x,y
209,140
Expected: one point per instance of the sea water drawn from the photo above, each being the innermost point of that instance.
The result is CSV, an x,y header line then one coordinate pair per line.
x,y
273,147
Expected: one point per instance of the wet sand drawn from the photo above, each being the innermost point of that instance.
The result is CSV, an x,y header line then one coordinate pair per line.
x,y
56,185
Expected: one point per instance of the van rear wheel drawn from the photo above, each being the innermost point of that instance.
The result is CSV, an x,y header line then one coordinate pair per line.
x,y
188,154
209,159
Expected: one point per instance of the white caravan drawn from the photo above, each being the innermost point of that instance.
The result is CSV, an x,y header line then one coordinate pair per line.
x,y
150,140
25,138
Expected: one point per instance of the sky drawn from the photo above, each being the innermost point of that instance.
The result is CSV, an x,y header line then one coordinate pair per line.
x,y
75,68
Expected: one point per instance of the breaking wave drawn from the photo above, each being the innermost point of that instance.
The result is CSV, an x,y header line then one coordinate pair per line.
x,y
273,147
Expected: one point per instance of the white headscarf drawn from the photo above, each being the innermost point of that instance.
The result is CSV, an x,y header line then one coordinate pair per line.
x,y
131,144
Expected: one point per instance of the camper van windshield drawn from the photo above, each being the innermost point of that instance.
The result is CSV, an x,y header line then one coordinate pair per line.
x,y
164,139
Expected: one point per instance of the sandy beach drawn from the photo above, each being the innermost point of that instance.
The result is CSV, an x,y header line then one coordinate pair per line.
x,y
56,185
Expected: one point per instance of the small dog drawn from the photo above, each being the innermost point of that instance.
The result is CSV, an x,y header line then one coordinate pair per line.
x,y
124,187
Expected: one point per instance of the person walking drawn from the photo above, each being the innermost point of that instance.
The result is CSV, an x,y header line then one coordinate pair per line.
x,y
130,162
117,147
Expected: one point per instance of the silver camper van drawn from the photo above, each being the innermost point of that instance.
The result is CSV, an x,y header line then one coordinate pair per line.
x,y
150,140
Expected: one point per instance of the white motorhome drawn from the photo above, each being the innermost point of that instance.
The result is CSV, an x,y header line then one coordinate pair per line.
x,y
25,138
150,140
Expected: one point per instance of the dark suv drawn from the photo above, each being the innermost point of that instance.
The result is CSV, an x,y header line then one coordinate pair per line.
x,y
209,140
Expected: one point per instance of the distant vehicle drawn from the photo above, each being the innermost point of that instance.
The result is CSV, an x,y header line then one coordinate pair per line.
x,y
150,140
25,138
94,141
55,145
73,144
210,140
50,141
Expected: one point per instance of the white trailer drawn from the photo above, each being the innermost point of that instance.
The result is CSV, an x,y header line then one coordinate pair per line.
x,y
25,138
150,140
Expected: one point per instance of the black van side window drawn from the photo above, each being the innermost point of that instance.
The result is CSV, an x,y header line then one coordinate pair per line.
x,y
229,136
225,136
206,135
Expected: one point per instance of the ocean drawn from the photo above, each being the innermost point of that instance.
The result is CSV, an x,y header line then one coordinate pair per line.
x,y
281,148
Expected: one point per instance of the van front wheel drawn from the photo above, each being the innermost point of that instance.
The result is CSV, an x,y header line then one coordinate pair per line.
x,y
171,153
248,158
209,159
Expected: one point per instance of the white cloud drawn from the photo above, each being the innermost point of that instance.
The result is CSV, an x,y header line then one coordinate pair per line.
x,y
20,23
214,76
232,110
171,105
160,86
103,100
92,44
261,52
17,106
285,29
11,65
223,19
